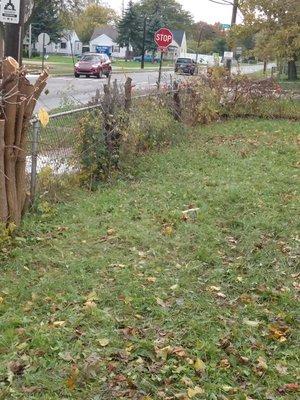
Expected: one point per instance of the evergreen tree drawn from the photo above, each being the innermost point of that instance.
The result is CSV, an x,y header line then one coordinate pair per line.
x,y
130,28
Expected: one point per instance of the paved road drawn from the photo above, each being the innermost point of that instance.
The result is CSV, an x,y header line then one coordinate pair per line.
x,y
62,91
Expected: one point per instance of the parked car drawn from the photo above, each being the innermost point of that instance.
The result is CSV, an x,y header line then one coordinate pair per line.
x,y
148,58
93,64
185,66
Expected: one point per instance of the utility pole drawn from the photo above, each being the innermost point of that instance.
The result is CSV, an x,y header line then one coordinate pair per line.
x,y
14,34
233,23
234,12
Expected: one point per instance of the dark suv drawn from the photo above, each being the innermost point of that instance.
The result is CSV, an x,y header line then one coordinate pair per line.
x,y
186,66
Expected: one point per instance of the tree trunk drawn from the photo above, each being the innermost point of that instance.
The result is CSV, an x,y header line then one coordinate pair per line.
x,y
292,70
265,67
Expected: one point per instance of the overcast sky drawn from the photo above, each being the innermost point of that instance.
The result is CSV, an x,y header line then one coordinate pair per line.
x,y
202,10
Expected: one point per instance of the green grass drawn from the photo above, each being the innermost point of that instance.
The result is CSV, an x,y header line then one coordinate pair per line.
x,y
63,65
122,264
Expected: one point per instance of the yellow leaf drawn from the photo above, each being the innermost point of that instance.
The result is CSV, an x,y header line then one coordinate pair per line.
x,y
163,353
103,342
151,279
58,324
90,305
192,392
1,300
168,230
215,288
44,117
199,365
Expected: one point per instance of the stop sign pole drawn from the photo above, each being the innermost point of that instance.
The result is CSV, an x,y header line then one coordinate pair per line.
x,y
163,38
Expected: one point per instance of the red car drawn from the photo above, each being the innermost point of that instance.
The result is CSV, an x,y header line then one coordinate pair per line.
x,y
93,64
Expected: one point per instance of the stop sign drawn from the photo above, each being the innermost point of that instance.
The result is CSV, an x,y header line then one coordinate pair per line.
x,y
163,38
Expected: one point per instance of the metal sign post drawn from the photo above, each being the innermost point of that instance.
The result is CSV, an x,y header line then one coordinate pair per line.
x,y
163,38
43,40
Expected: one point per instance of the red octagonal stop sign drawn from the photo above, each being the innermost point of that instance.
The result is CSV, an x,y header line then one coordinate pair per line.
x,y
163,38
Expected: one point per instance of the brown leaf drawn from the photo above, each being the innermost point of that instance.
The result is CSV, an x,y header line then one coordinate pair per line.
x,y
16,367
72,379
289,388
31,389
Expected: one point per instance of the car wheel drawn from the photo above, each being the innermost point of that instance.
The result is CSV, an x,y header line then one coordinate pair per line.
x,y
76,75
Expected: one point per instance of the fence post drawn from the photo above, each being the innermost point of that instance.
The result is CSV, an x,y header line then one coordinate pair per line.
x,y
128,97
176,101
34,157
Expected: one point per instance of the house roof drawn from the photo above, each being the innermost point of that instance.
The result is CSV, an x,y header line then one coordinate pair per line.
x,y
107,30
178,36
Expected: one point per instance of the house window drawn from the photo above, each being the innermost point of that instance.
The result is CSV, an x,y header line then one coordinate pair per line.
x,y
116,49
63,45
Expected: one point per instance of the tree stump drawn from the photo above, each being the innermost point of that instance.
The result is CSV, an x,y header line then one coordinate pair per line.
x,y
19,98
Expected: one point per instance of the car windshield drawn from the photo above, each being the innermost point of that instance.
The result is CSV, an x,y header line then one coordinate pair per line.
x,y
184,60
91,58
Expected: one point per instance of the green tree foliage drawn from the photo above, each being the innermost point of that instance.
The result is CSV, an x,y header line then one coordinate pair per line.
x,y
128,34
157,14
278,22
46,17
93,16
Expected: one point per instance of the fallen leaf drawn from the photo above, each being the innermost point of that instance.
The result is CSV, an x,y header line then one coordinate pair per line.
x,y
281,369
16,367
224,363
72,379
289,388
248,322
151,279
164,352
58,324
192,392
89,305
199,365
278,332
261,366
167,230
103,342
161,303
30,389
66,356
215,288
221,295
174,287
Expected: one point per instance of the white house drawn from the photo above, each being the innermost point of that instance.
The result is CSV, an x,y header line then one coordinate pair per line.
x,y
67,45
104,40
178,47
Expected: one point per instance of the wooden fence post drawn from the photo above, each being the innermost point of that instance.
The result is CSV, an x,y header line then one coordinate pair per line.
x,y
3,198
128,94
176,102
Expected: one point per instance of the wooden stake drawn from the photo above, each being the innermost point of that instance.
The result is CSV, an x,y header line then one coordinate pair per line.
x,y
3,198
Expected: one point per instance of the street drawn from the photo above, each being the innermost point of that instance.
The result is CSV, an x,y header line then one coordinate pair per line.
x,y
69,91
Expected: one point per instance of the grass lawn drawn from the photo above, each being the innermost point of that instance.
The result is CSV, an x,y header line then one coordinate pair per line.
x,y
119,294
63,65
